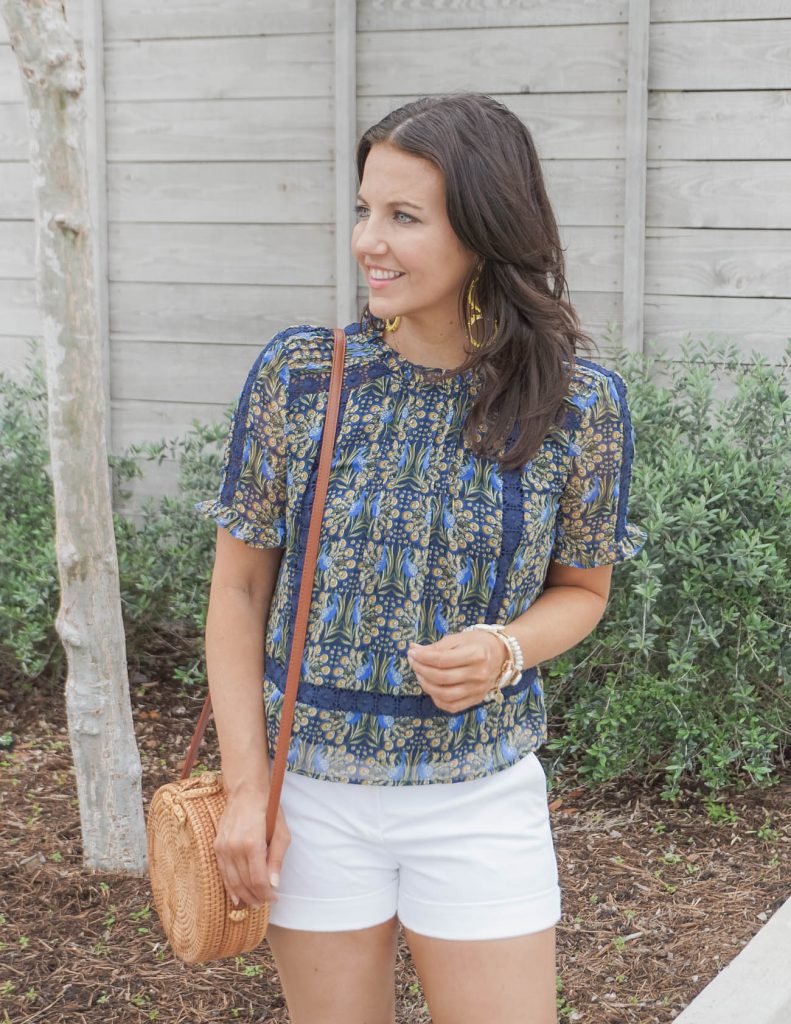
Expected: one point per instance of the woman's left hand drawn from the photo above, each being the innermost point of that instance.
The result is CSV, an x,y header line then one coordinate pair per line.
x,y
458,670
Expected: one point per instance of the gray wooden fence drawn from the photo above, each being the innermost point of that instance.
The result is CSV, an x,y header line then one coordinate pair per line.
x,y
221,138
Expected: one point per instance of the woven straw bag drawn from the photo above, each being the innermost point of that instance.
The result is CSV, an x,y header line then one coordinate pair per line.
x,y
195,911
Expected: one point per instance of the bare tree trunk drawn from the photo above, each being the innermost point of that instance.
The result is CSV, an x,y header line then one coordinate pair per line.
x,y
89,620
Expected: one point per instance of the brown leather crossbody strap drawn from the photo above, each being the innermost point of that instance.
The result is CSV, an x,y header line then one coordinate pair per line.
x,y
303,604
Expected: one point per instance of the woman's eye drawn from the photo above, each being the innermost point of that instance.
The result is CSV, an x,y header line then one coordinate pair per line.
x,y
363,211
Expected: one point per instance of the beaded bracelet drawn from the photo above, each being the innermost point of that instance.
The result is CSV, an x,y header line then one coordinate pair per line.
x,y
512,669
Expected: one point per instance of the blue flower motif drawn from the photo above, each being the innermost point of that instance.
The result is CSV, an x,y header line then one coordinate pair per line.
x,y
362,675
397,773
593,491
410,567
464,576
331,610
393,676
584,402
357,506
507,749
425,769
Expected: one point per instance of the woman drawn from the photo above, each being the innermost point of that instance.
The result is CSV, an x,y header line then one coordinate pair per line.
x,y
480,476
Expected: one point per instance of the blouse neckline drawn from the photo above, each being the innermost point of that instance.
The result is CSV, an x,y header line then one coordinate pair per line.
x,y
409,370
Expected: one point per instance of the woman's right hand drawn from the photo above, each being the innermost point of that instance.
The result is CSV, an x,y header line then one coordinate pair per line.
x,y
249,870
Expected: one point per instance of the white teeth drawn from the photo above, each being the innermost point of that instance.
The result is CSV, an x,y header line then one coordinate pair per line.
x,y
383,275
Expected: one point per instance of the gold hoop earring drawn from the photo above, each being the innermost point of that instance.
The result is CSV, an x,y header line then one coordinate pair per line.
x,y
391,325
474,313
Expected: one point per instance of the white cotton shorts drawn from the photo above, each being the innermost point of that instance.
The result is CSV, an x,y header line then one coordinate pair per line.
x,y
460,860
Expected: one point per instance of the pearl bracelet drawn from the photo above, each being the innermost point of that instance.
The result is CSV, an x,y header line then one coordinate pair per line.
x,y
512,669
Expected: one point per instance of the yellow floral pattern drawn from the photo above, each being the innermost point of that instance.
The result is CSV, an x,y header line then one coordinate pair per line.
x,y
420,537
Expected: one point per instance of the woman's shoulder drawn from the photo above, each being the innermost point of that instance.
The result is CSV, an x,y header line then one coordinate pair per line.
x,y
589,379
307,347
592,386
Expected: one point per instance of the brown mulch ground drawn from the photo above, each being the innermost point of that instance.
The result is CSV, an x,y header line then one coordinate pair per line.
x,y
656,897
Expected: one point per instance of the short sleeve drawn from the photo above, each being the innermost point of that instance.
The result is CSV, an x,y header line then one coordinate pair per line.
x,y
251,501
592,524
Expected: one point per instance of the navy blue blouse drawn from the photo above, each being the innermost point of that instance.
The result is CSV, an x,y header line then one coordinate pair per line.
x,y
420,537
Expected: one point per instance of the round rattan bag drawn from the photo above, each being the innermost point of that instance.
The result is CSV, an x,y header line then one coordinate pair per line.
x,y
194,908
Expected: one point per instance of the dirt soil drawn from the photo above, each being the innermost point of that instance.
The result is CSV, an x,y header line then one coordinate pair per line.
x,y
657,898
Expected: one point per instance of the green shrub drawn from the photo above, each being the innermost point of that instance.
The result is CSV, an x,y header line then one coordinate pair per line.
x,y
165,559
687,673
29,588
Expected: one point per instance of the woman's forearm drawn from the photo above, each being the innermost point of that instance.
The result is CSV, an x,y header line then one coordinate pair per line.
x,y
235,629
557,620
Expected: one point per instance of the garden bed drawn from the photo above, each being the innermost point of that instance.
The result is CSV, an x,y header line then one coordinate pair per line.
x,y
657,898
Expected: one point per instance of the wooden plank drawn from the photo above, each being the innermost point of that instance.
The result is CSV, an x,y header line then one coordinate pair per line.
x,y
10,84
683,261
293,65
19,313
96,169
585,192
177,19
383,15
720,194
273,254
720,55
594,257
214,314
634,202
345,93
753,125
221,129
15,352
180,372
278,128
567,126
754,324
509,60
274,192
17,241
14,142
211,192
16,191
137,421
717,10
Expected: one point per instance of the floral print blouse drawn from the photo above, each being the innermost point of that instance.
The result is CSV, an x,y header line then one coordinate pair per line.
x,y
420,537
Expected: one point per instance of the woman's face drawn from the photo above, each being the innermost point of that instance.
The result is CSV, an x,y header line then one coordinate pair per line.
x,y
402,225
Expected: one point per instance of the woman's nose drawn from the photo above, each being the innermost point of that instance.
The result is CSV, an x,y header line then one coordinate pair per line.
x,y
369,238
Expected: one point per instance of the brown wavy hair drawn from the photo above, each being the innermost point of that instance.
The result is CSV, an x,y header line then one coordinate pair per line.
x,y
498,206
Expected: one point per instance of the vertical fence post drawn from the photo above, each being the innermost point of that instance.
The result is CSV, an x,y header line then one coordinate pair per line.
x,y
96,157
345,173
635,171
